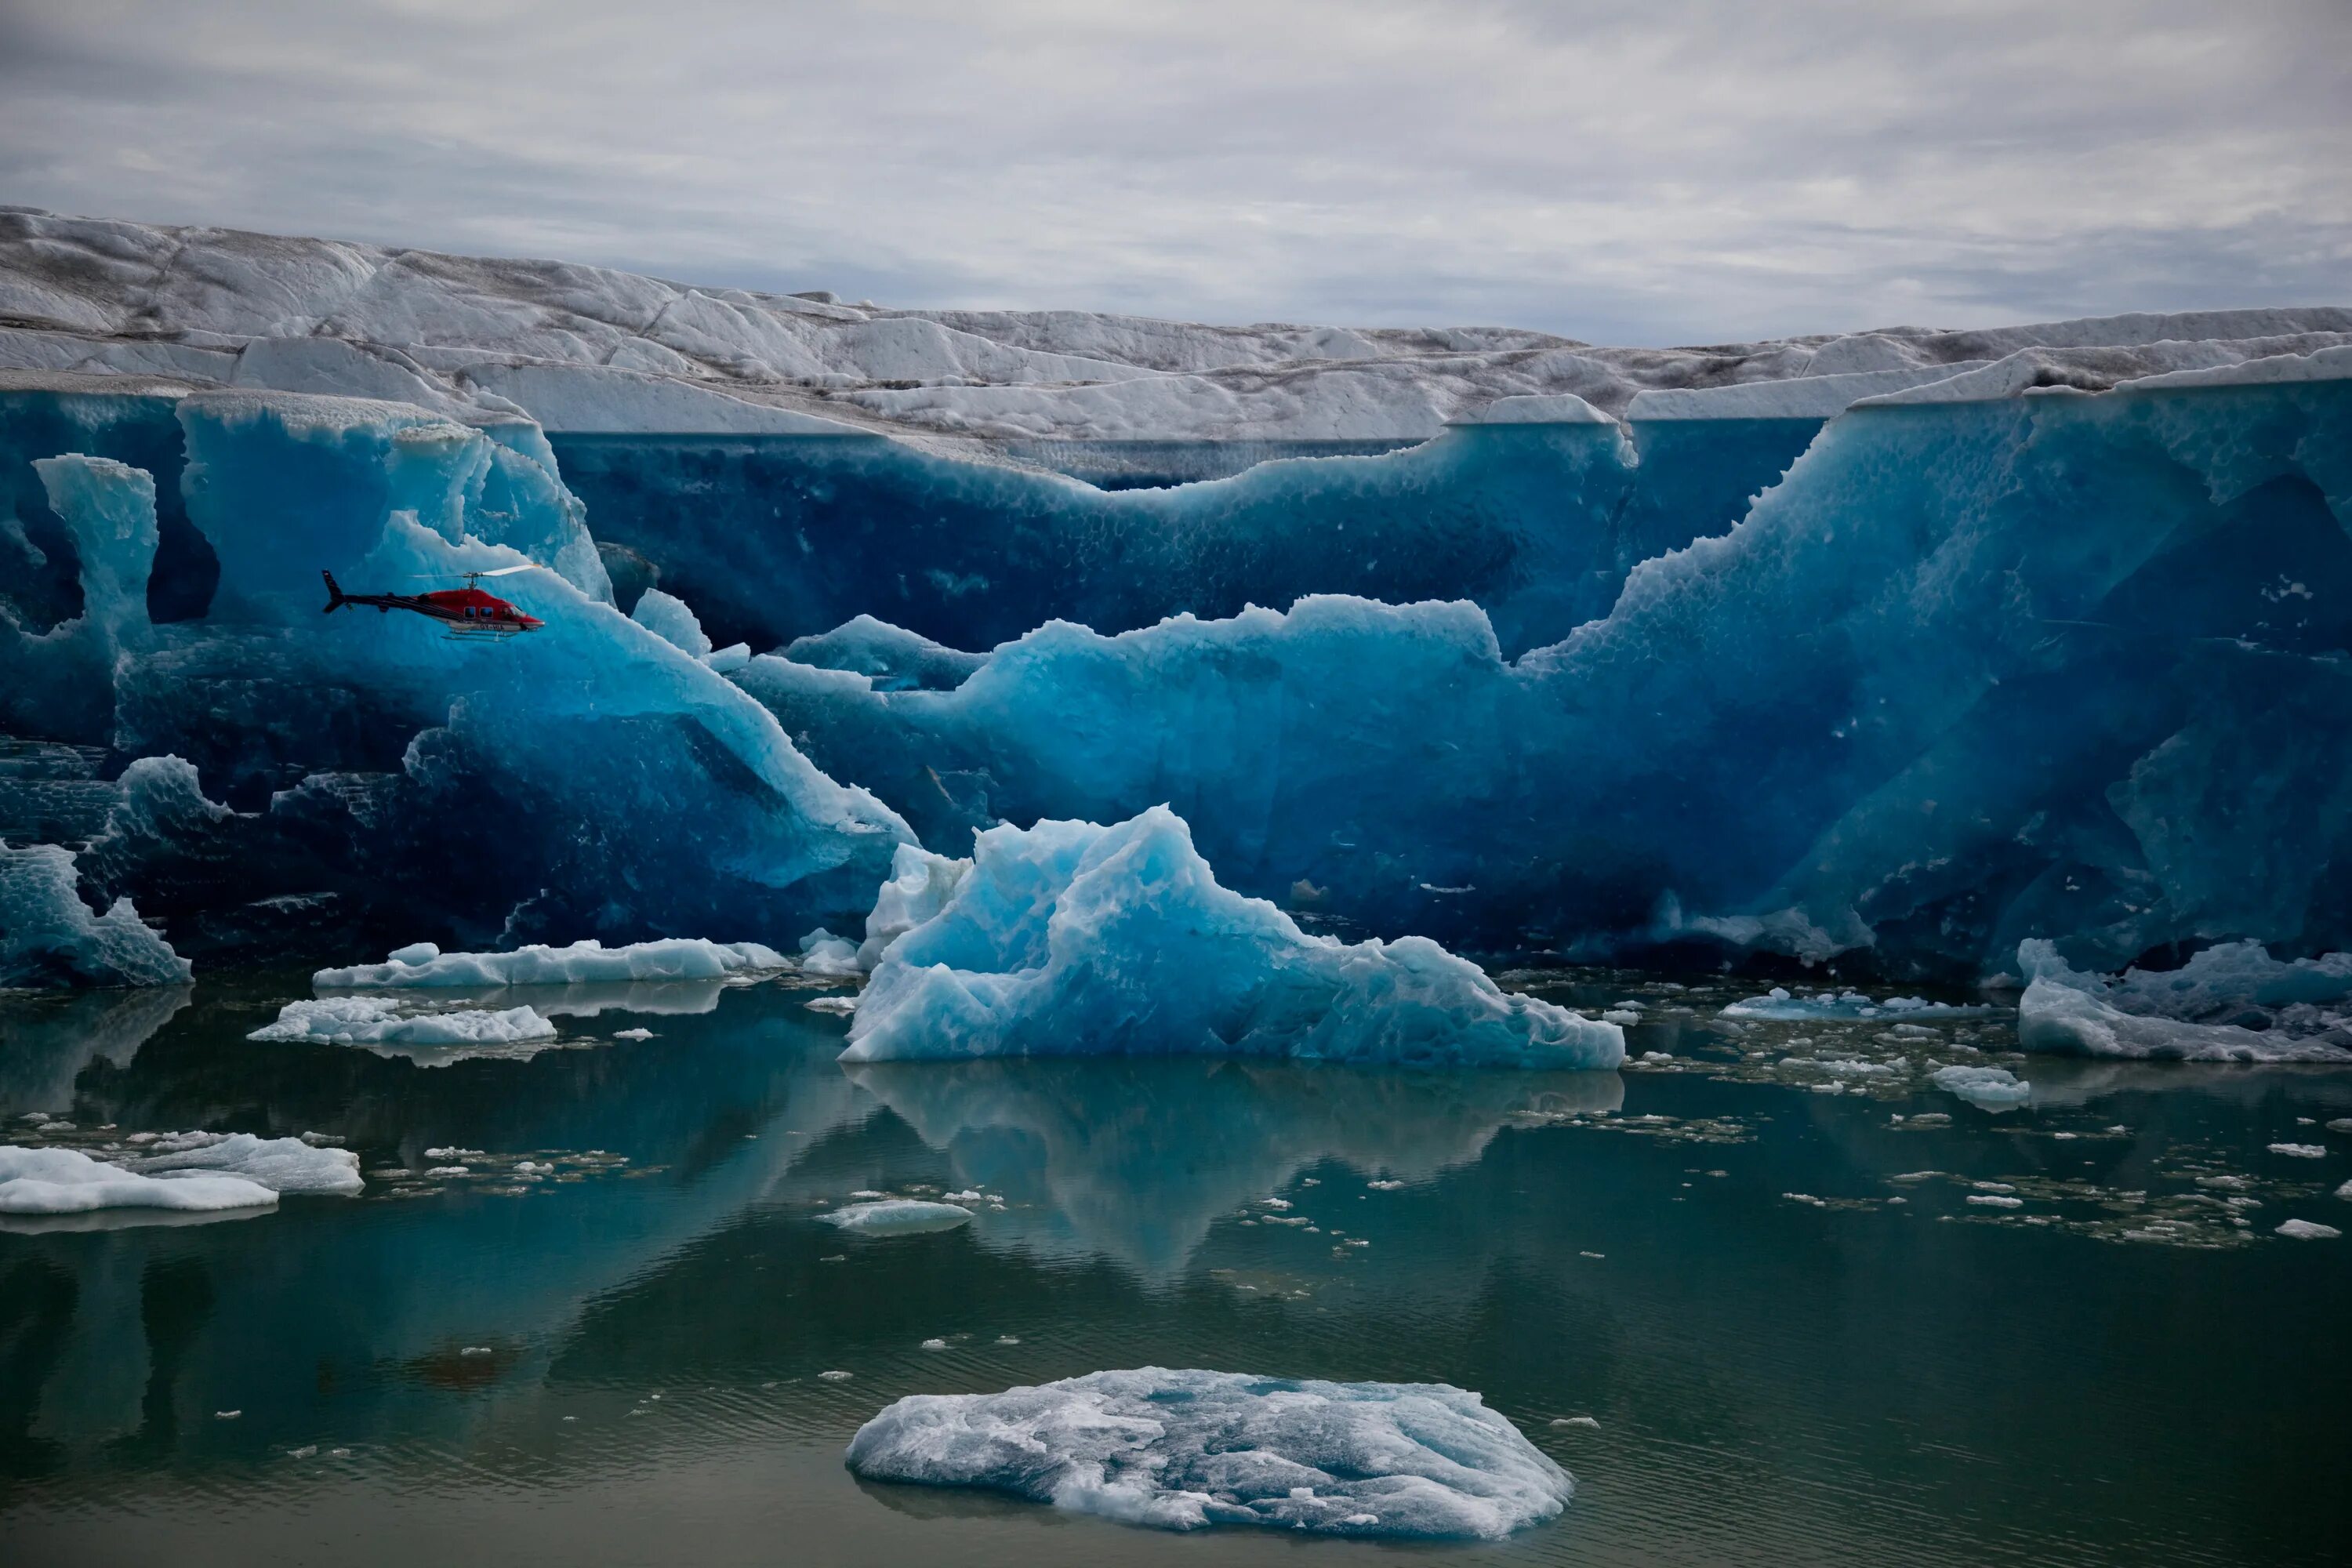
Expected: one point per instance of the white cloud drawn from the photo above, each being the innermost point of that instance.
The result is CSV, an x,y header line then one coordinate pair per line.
x,y
1633,172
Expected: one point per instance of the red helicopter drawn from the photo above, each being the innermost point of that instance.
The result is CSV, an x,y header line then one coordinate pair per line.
x,y
466,611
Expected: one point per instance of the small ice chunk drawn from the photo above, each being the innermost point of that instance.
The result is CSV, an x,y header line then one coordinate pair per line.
x,y
935,1344
897,1216
372,1020
1996,1200
640,1033
227,1414
1576,1421
1181,1450
822,952
2308,1230
2301,1150
1988,1087
834,1377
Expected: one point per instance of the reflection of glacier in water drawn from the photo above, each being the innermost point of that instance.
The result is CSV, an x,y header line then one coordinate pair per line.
x,y
51,1038
1133,1159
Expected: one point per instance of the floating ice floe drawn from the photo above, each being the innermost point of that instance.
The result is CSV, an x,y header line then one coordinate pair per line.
x,y
1779,1006
2232,1003
1074,938
281,1165
1184,1449
897,1216
2308,1230
671,958
822,952
375,1020
1992,1088
67,1182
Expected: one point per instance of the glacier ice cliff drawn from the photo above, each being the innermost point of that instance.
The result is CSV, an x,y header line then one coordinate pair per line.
x,y
1185,1449
1899,648
1070,938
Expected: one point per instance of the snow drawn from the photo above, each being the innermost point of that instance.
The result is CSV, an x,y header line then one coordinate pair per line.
x,y
2232,1002
1074,938
897,1216
49,937
67,1182
1186,1450
370,1020
670,958
1992,1088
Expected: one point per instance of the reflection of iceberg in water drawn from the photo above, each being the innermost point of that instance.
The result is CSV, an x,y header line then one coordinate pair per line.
x,y
2063,1081
382,1297
1133,1159
51,1038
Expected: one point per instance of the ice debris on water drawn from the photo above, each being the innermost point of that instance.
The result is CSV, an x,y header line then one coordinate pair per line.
x,y
372,1020
640,1033
2301,1150
1185,1449
670,958
2308,1230
1992,1088
2229,1002
1074,938
897,1216
1779,1006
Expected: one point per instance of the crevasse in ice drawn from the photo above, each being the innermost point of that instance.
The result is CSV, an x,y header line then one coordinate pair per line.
x,y
1185,1449
1070,938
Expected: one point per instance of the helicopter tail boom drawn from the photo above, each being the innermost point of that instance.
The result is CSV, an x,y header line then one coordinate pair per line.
x,y
335,599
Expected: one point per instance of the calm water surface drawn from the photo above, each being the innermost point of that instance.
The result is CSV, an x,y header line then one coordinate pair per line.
x,y
619,1362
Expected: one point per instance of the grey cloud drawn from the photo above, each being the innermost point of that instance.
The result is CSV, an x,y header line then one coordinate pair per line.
x,y
1629,171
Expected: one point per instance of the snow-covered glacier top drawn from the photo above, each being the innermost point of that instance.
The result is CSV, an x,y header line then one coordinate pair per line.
x,y
587,348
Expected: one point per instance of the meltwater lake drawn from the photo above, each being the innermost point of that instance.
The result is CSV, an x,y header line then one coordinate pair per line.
x,y
1768,1294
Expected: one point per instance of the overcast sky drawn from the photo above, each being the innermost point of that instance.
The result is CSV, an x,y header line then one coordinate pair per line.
x,y
1651,170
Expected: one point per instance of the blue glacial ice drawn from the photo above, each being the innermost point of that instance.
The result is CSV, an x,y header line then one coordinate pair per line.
x,y
1694,769
1186,1450
2232,1002
1073,939
49,937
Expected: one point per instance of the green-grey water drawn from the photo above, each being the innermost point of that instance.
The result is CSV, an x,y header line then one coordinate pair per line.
x,y
1739,1290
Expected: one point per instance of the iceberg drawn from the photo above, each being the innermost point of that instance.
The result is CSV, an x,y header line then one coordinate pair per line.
x,y
897,1216
2229,1003
1185,1449
423,964
281,1165
371,1020
40,1182
1995,1089
50,937
1074,938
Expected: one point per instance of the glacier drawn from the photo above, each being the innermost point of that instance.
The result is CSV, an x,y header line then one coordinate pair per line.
x,y
1185,1449
1893,649
1070,938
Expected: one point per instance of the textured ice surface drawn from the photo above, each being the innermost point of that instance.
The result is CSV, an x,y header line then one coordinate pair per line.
x,y
894,660
50,937
587,348
1073,939
67,1182
281,1165
373,1020
897,1216
1778,1005
670,958
1181,1450
2229,1003
1993,1087
1685,770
